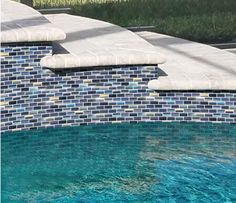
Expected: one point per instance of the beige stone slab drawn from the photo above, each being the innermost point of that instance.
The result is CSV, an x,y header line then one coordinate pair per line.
x,y
92,43
191,65
20,23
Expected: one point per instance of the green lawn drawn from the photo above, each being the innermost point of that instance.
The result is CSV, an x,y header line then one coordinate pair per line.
x,y
198,20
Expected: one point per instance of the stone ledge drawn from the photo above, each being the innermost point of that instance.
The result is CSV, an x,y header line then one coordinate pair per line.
x,y
62,61
20,23
92,43
191,65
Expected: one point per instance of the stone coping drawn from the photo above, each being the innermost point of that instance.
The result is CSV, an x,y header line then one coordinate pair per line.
x,y
20,23
91,43
191,65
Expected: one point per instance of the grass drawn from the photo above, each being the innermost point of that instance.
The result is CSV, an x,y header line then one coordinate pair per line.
x,y
208,21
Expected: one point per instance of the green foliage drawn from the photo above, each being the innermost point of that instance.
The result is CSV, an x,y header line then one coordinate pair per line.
x,y
197,20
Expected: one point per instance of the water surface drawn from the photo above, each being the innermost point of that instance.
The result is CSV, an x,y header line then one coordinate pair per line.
x,y
145,162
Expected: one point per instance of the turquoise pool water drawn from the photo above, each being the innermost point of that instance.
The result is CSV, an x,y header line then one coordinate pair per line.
x,y
146,162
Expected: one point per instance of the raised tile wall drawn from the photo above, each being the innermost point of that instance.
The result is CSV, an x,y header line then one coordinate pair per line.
x,y
33,97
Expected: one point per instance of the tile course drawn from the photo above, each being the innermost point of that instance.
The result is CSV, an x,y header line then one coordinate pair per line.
x,y
33,97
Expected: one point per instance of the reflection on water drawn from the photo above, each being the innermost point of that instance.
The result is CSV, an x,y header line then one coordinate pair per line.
x,y
153,162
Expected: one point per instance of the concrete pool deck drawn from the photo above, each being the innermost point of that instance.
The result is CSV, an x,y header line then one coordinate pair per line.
x,y
191,65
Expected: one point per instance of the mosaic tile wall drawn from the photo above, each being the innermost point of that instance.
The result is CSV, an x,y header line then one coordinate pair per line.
x,y
33,97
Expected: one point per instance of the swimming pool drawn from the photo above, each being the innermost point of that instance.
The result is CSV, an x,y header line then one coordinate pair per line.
x,y
144,162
